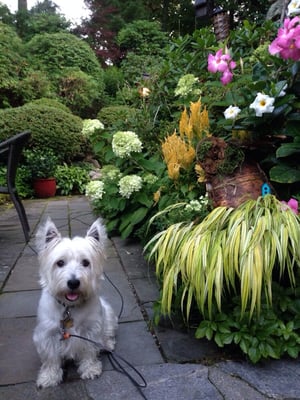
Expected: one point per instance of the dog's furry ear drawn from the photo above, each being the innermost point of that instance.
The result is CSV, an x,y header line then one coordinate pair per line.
x,y
47,235
98,232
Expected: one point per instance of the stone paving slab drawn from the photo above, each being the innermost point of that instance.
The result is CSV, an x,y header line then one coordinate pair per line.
x,y
28,391
164,381
25,275
19,361
19,304
277,379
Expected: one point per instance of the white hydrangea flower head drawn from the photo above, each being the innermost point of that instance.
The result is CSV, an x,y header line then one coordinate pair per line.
x,y
126,142
231,112
90,125
150,178
262,104
186,86
95,190
110,172
129,184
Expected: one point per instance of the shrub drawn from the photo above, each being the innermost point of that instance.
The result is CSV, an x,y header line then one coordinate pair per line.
x,y
113,80
54,52
50,102
35,85
80,92
72,179
116,116
51,128
72,68
11,66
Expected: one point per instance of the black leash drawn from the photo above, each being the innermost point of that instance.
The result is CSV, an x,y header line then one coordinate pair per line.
x,y
116,362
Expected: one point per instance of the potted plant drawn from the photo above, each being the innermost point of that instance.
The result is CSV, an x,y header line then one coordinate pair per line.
x,y
42,165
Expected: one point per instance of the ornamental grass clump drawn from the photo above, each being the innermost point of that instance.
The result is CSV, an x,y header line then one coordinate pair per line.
x,y
232,252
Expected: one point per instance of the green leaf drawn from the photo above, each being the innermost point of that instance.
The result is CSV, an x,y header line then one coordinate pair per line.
x,y
284,174
254,354
288,149
293,351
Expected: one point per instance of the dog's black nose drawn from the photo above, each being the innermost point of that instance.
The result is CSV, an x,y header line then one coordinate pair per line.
x,y
73,283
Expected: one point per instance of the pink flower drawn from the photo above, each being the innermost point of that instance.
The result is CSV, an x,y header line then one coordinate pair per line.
x,y
226,77
287,42
292,204
221,63
217,63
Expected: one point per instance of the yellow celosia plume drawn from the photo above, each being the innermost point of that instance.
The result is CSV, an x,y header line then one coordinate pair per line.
x,y
178,151
177,154
196,123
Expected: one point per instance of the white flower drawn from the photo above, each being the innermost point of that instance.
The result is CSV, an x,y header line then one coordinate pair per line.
x,y
262,104
95,190
293,8
144,92
231,112
90,125
126,142
129,184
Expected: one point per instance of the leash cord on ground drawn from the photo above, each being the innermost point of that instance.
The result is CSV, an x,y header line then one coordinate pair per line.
x,y
119,293
116,364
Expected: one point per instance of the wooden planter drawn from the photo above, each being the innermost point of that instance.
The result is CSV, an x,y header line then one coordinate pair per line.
x,y
44,188
232,190
231,178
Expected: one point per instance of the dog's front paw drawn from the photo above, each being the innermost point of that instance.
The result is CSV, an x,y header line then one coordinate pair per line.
x,y
90,369
49,377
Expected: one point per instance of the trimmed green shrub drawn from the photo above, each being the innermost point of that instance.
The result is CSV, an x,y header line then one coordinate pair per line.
x,y
44,101
81,92
12,66
113,80
117,116
51,128
53,52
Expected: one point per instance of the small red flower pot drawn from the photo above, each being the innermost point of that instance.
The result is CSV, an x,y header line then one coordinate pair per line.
x,y
44,187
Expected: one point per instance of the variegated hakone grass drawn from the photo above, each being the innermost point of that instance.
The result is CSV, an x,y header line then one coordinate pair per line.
x,y
231,250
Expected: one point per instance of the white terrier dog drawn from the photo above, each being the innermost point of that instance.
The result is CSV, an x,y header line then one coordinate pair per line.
x,y
71,271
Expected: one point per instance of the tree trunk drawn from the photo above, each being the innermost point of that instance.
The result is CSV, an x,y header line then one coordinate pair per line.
x,y
22,5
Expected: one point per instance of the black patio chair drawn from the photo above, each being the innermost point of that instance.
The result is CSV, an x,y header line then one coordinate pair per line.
x,y
10,152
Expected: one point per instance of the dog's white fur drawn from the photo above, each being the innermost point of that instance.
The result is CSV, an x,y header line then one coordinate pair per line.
x,y
66,263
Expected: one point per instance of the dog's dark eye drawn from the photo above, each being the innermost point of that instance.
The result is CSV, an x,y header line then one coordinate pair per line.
x,y
85,263
60,263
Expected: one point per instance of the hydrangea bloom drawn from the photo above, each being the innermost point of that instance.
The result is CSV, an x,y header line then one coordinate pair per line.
x,y
262,104
126,142
110,172
150,178
231,112
293,7
90,125
186,86
221,63
129,184
95,190
197,205
287,42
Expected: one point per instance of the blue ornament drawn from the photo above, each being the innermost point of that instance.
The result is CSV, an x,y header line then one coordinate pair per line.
x,y
265,189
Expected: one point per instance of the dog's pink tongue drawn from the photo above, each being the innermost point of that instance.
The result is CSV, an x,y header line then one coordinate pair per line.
x,y
72,296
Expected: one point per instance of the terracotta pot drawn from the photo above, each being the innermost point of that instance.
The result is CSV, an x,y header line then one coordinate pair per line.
x,y
44,187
